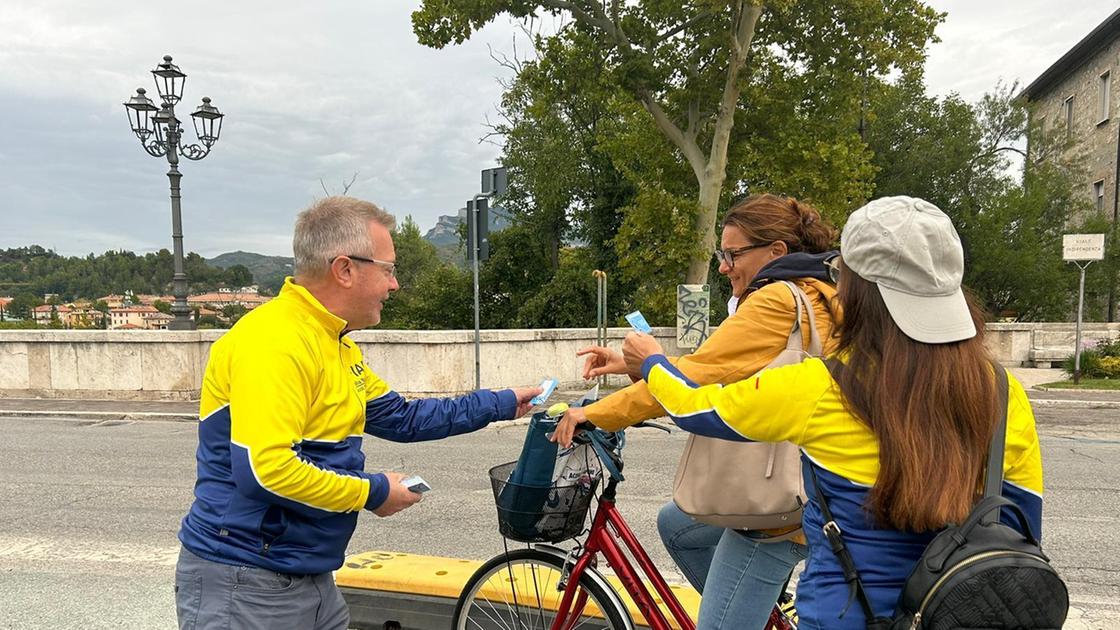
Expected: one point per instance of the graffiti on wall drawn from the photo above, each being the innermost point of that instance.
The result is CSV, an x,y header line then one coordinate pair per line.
x,y
693,312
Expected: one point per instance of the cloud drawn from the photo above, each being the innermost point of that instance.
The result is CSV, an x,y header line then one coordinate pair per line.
x,y
985,42
313,91
310,92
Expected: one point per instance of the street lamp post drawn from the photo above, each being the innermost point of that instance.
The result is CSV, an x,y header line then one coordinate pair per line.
x,y
160,133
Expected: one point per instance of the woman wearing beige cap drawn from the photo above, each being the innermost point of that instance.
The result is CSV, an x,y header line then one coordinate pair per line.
x,y
899,439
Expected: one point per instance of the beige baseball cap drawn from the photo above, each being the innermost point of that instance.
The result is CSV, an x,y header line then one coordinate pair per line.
x,y
909,248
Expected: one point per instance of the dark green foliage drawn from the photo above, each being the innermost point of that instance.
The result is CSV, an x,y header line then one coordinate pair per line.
x,y
21,305
36,271
1099,361
1011,222
434,295
267,272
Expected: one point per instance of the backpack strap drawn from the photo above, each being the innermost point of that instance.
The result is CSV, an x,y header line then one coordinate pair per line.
x,y
836,542
796,335
993,479
993,484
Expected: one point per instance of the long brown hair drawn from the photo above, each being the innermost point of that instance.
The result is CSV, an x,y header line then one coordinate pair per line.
x,y
931,406
770,218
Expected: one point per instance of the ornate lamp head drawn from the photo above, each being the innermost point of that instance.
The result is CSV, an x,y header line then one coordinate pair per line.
x,y
169,81
207,122
139,109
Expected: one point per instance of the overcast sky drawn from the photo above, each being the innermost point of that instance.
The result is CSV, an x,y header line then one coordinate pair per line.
x,y
316,90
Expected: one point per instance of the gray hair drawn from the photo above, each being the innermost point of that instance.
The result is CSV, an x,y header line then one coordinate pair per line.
x,y
331,227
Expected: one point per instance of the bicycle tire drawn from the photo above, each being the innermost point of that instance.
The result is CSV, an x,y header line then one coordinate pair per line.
x,y
484,603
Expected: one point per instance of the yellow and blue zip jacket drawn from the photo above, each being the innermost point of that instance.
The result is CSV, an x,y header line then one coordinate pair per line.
x,y
281,473
801,404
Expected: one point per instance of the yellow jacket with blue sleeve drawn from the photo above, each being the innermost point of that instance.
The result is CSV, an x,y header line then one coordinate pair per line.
x,y
801,404
285,400
744,343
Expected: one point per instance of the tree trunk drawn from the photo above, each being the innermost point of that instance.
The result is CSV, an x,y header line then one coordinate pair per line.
x,y
705,225
715,170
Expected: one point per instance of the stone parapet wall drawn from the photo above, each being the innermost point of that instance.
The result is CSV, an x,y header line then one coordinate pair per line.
x,y
169,365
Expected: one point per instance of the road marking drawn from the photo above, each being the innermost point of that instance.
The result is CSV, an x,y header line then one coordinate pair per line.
x,y
1076,404
68,550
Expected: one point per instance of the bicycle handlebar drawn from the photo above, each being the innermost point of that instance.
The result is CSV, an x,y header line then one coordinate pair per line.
x,y
586,425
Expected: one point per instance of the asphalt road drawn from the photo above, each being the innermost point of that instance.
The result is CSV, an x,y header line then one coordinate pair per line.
x,y
89,511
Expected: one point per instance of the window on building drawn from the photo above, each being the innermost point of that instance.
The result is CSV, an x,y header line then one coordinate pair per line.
x,y
1067,115
1105,95
1098,195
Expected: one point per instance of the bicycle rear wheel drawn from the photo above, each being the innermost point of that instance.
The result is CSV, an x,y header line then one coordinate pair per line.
x,y
517,591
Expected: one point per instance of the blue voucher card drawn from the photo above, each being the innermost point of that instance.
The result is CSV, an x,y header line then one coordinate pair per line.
x,y
638,322
549,386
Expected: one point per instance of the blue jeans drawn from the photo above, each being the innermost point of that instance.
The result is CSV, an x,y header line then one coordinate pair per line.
x,y
740,578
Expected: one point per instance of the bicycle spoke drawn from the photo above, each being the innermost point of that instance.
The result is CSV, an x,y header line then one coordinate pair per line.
x,y
531,571
540,602
530,584
480,626
497,620
497,617
514,609
585,618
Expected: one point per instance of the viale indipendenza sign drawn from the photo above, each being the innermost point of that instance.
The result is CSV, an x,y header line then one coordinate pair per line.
x,y
1083,247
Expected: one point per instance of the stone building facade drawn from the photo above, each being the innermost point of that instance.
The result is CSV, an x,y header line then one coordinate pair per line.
x,y
1079,96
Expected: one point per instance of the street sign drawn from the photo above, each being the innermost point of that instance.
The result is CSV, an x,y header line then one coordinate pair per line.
x,y
1083,247
478,210
494,181
1081,250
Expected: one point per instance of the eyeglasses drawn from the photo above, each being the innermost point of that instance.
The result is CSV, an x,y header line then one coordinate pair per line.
x,y
833,267
728,255
391,267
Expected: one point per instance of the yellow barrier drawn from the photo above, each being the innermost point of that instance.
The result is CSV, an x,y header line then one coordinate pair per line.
x,y
434,576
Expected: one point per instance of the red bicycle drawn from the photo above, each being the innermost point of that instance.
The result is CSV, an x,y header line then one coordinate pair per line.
x,y
544,587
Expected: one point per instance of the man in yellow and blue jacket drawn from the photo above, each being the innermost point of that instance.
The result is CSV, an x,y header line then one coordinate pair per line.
x,y
285,400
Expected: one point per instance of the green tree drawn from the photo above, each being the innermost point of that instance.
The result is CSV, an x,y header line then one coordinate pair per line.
x,y
238,276
686,66
208,322
233,312
1011,220
565,189
102,307
433,294
161,306
34,269
21,305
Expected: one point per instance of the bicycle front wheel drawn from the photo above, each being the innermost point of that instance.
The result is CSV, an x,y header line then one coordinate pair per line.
x,y
518,591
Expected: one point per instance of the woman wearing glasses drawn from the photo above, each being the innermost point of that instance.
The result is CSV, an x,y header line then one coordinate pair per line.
x,y
765,239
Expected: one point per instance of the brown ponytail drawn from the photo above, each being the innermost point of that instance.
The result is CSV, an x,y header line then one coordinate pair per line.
x,y
770,218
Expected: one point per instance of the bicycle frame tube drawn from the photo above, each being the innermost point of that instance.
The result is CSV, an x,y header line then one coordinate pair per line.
x,y
602,540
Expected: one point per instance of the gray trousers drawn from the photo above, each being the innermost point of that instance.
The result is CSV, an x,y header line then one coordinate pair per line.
x,y
210,595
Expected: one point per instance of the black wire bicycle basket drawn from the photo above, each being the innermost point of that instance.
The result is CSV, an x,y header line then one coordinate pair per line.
x,y
551,513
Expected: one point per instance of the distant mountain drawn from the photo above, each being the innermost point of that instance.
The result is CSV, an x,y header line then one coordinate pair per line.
x,y
445,235
268,271
446,231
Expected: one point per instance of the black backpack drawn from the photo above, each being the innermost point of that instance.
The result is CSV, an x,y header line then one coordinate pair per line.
x,y
979,574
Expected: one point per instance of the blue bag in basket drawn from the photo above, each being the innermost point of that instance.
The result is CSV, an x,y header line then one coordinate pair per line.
x,y
522,501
